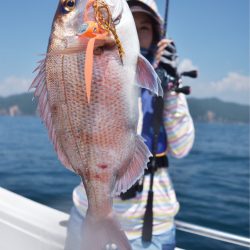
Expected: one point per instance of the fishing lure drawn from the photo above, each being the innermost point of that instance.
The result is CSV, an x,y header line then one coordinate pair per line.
x,y
98,29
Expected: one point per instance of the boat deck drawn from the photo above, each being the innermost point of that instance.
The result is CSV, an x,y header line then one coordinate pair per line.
x,y
25,224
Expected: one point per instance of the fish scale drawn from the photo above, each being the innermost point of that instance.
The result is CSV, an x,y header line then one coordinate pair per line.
x,y
92,124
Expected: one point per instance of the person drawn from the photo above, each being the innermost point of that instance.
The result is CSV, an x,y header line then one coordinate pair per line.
x,y
175,138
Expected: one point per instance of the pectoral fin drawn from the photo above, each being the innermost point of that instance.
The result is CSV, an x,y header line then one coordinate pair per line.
x,y
146,76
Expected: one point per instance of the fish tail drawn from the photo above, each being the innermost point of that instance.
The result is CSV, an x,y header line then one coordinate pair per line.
x,y
104,233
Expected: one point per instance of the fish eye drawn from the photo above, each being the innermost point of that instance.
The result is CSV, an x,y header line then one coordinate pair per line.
x,y
68,5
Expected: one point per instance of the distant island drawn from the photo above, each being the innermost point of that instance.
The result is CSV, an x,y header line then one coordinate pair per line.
x,y
204,110
21,104
215,110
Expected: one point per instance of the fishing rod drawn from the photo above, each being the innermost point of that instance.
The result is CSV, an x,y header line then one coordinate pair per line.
x,y
147,228
165,19
173,84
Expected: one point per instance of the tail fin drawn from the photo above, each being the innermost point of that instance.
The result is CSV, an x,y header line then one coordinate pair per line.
x,y
103,234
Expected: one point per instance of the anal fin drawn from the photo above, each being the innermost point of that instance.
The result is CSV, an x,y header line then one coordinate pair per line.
x,y
136,168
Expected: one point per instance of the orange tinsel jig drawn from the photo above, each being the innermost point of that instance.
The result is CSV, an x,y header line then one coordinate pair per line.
x,y
102,27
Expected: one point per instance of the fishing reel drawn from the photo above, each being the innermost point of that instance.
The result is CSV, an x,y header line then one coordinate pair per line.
x,y
171,83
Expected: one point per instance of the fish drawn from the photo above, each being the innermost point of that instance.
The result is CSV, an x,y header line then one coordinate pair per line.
x,y
87,88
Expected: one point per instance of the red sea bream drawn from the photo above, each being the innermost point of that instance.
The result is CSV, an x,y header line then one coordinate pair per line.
x,y
87,87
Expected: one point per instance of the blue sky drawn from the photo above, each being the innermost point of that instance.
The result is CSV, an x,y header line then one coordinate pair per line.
x,y
211,35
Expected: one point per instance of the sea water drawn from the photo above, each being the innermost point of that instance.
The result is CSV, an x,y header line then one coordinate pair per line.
x,y
211,183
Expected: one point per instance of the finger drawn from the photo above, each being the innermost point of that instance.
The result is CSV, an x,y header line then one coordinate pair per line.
x,y
169,55
165,61
171,47
163,45
159,53
164,42
166,53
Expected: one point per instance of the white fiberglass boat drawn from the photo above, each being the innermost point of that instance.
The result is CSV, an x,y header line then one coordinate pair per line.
x,y
28,225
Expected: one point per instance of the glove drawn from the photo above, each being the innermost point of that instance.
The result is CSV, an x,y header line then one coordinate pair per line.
x,y
167,57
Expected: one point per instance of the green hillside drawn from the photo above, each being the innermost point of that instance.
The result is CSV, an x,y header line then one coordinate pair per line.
x,y
23,101
217,110
207,110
